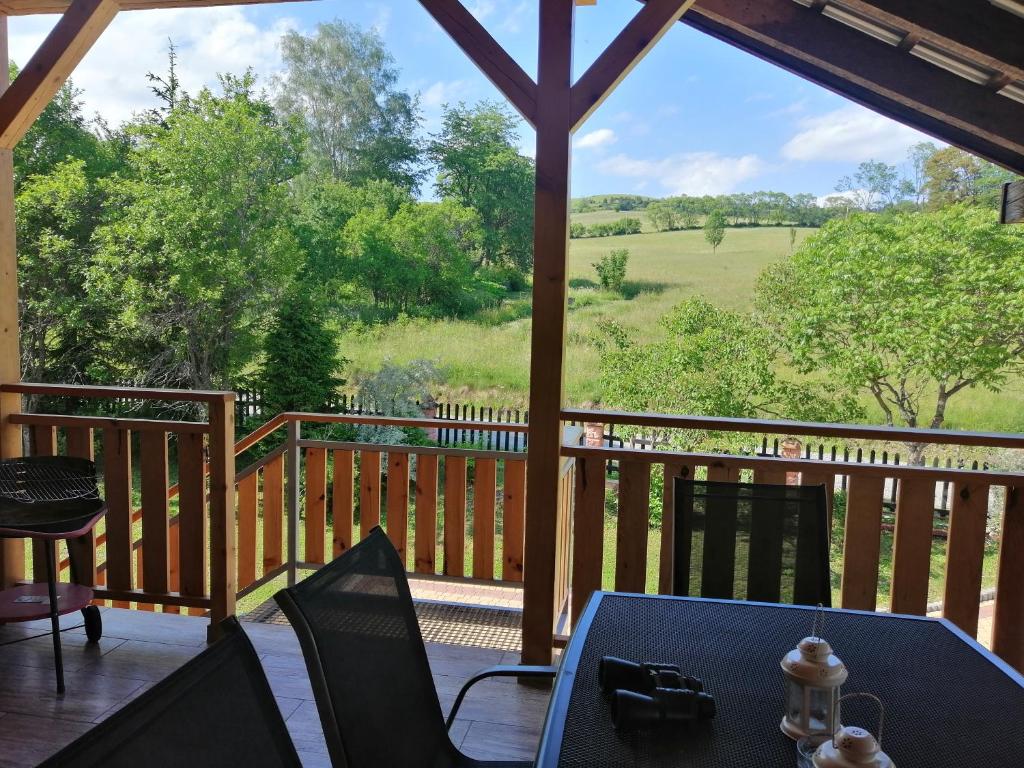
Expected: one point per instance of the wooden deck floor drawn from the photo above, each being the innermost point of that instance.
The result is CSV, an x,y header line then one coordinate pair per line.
x,y
501,719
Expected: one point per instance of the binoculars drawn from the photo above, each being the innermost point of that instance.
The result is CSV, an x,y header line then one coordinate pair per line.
x,y
651,695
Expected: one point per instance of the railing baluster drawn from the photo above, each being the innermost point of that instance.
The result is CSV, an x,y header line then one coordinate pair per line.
x,y
1008,621
632,528
398,502
369,492
192,520
343,500
117,490
44,443
588,532
316,505
912,546
965,555
512,517
861,543
485,488
248,515
273,514
426,512
454,515
155,516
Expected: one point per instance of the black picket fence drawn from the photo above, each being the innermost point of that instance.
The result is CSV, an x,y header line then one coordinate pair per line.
x,y
249,405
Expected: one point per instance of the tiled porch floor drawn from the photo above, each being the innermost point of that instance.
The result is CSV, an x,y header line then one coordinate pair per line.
x,y
501,719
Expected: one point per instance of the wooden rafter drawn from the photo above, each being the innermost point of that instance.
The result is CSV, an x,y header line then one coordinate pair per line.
x,y
47,70
870,72
624,53
980,32
493,60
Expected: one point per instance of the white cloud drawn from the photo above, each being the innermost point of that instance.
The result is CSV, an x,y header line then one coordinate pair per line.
x,y
851,134
113,73
444,92
481,9
602,137
693,173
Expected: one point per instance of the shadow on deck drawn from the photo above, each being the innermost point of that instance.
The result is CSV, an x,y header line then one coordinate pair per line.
x,y
501,719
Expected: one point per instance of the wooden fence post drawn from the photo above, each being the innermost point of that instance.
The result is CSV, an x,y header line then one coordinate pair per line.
x,y
223,536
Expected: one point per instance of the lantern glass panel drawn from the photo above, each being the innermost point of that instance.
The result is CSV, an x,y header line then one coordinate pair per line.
x,y
822,701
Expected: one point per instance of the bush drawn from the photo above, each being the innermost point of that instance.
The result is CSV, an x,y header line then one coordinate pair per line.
x,y
611,269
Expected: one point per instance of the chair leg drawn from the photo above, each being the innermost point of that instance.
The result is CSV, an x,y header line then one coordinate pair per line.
x,y
51,581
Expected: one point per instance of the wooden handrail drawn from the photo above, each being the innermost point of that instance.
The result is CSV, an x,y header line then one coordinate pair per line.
x,y
129,393
809,428
100,422
401,421
426,450
781,464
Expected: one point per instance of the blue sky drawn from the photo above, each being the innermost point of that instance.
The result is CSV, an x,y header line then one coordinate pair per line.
x,y
695,117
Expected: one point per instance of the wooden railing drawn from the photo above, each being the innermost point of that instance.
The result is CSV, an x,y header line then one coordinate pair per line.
x,y
186,555
914,514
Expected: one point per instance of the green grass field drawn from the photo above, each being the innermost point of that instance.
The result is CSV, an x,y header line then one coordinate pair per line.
x,y
486,359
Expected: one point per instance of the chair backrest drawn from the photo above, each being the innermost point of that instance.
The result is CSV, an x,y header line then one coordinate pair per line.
x,y
216,710
357,626
748,541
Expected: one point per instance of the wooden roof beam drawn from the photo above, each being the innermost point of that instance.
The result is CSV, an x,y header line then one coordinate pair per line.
x,y
871,73
51,65
977,31
496,64
625,52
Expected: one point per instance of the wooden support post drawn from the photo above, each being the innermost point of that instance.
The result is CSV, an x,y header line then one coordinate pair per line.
x,y
71,38
12,551
547,346
223,534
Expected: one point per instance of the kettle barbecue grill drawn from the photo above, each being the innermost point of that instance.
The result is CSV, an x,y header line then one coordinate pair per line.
x,y
48,498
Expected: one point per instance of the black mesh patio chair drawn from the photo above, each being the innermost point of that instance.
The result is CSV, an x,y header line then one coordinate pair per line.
x,y
747,541
357,626
217,710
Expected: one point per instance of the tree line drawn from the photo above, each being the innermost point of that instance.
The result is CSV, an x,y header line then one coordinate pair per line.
x,y
190,245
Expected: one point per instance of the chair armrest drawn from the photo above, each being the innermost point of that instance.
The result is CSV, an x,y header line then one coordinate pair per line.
x,y
502,670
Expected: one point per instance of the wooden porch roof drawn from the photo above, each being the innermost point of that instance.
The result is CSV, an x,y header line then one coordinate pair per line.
x,y
953,69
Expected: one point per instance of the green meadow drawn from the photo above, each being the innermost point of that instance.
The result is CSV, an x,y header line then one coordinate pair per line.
x,y
486,358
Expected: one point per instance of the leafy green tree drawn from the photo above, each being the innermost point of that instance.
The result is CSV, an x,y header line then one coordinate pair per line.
x,y
60,133
912,308
711,361
397,390
663,216
479,166
954,176
301,368
56,214
714,229
198,244
611,269
874,186
342,82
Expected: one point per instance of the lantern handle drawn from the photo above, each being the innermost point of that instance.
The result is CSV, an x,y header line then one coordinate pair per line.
x,y
818,627
881,713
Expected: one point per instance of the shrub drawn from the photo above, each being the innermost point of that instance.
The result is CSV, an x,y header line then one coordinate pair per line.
x,y
611,269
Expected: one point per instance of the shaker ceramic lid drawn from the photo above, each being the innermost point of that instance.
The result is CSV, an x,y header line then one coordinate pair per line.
x,y
851,747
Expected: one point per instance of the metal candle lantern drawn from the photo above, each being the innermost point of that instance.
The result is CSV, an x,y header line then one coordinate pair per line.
x,y
853,747
813,678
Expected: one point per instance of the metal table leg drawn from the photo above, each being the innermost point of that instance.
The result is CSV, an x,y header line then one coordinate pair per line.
x,y
51,575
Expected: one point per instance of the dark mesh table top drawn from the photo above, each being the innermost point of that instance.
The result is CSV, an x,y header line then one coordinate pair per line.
x,y
947,704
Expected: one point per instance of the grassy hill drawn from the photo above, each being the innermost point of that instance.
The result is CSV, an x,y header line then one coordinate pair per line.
x,y
486,358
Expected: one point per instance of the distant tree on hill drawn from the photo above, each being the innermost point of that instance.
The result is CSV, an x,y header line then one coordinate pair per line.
x,y
873,186
714,229
912,308
341,82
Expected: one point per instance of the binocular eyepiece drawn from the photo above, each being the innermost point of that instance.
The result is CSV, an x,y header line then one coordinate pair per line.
x,y
614,674
651,694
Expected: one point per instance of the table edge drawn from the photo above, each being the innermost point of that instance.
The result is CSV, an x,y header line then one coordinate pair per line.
x,y
550,747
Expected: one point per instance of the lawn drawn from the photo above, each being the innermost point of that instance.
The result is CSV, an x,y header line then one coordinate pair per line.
x,y
489,361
